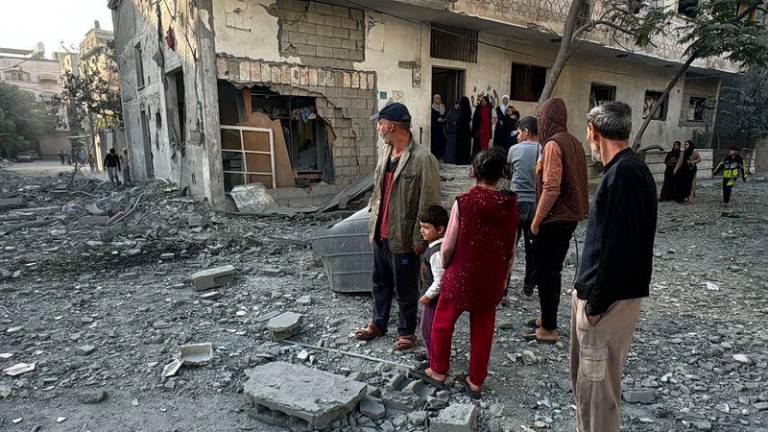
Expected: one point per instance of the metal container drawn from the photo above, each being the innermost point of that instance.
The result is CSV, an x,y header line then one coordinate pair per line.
x,y
346,253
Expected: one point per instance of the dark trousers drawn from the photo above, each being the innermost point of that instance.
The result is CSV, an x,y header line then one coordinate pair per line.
x,y
527,211
728,185
427,317
550,246
395,276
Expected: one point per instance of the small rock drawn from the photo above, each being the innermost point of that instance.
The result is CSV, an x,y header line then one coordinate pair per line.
x,y
171,368
17,420
455,418
91,397
741,358
640,396
417,418
5,391
304,300
372,408
85,349
704,425
135,402
167,256
19,368
285,325
529,358
303,355
61,419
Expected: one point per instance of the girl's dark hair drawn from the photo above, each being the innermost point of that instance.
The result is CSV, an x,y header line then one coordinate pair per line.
x,y
528,122
489,166
677,142
435,215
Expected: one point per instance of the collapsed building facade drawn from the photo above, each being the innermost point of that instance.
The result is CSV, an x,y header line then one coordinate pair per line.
x,y
229,92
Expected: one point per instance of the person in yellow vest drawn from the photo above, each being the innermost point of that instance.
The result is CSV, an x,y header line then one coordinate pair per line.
x,y
732,167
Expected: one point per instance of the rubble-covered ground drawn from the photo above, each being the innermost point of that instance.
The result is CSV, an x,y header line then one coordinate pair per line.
x,y
101,304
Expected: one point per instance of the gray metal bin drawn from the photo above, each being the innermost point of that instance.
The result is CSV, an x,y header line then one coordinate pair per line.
x,y
346,253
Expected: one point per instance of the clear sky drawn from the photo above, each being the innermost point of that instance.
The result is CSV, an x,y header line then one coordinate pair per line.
x,y
23,23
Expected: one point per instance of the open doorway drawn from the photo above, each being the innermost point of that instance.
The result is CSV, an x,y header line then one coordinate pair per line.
x,y
448,83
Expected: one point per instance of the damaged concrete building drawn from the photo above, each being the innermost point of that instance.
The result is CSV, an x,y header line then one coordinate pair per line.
x,y
229,92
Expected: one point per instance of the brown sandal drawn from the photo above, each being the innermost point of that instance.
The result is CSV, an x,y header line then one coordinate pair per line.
x,y
404,343
369,333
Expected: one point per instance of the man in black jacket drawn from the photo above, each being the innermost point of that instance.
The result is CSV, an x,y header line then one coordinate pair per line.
x,y
615,271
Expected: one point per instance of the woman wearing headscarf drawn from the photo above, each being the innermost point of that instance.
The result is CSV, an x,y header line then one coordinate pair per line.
x,y
481,125
464,133
451,125
685,173
438,119
668,188
502,130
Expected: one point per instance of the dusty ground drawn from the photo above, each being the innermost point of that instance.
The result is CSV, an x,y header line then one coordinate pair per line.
x,y
67,282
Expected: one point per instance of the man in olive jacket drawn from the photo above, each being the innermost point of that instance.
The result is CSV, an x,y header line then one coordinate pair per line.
x,y
406,181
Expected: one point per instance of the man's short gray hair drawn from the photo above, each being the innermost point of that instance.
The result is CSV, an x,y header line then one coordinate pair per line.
x,y
612,119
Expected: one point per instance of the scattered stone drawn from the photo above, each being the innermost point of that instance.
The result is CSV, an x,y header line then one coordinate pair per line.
x,y
303,355
17,420
529,358
61,419
761,406
161,325
171,368
19,368
11,203
212,278
5,391
712,286
196,354
135,402
14,329
741,358
417,418
210,295
167,256
285,325
84,350
640,396
304,300
91,397
704,425
456,418
372,408
300,397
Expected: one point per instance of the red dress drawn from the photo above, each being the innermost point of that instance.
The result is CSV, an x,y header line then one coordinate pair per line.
x,y
475,279
484,134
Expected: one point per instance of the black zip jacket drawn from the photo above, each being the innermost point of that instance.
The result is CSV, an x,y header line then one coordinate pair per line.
x,y
618,249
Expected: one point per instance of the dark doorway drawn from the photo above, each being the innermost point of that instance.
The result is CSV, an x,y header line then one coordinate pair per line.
x,y
449,84
147,141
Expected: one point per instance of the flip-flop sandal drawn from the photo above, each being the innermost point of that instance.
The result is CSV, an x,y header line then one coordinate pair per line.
x,y
369,333
532,337
405,343
462,380
422,375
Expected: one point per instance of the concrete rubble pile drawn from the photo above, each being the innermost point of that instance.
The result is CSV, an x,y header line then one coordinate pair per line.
x,y
99,324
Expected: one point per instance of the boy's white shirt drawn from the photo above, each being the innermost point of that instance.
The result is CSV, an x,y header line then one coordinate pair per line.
x,y
436,264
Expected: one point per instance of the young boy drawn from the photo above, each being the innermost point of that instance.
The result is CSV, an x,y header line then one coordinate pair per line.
x,y
432,225
732,167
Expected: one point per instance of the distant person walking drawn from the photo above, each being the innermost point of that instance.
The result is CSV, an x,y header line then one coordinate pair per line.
x,y
62,157
112,162
464,133
732,167
522,163
562,201
437,131
615,271
406,182
685,173
450,126
126,167
670,161
481,125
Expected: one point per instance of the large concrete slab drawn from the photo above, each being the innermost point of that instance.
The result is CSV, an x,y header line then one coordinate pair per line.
x,y
299,397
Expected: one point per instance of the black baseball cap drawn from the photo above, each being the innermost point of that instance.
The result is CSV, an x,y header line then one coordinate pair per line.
x,y
394,112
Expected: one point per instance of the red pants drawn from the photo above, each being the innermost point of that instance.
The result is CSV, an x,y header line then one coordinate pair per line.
x,y
481,326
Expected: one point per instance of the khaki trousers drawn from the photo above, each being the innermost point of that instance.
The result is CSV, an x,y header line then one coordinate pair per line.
x,y
597,358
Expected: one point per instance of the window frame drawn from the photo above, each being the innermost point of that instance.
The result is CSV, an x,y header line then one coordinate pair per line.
x,y
531,94
243,152
137,51
596,84
664,112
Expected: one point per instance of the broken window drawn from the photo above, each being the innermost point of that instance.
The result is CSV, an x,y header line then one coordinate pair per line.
x,y
688,8
697,107
301,145
453,43
651,99
601,93
527,82
176,106
247,155
139,66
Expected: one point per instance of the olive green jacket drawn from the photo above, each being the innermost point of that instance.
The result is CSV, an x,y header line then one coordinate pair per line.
x,y
415,188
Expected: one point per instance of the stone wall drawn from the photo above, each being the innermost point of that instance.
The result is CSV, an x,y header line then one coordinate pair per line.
x,y
344,98
321,34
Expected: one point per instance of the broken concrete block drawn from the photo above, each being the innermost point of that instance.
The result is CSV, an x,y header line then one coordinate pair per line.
x,y
252,198
417,418
210,295
285,325
455,418
372,408
11,203
5,391
212,278
94,220
640,396
91,397
171,368
196,354
19,368
400,401
298,397
85,349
